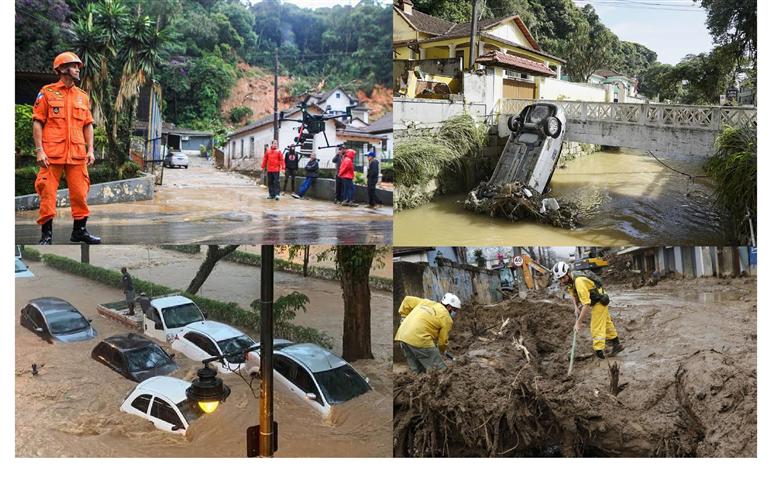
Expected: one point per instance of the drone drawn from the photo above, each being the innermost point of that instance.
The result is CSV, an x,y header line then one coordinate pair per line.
x,y
312,124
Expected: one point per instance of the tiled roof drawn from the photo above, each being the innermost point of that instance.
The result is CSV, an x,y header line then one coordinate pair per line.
x,y
383,124
426,23
503,59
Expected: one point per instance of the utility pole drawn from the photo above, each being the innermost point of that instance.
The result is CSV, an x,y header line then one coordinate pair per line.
x,y
276,94
473,34
267,442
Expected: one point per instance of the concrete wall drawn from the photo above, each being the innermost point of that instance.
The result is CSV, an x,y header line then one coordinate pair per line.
x,y
120,191
324,189
553,89
426,113
673,142
422,280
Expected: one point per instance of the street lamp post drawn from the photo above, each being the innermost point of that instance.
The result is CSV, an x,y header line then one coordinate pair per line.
x,y
267,444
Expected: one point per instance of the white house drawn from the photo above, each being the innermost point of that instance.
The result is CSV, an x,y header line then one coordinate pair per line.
x,y
245,147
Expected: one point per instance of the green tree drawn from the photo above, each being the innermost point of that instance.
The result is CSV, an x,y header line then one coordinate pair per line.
x,y
215,253
120,51
23,128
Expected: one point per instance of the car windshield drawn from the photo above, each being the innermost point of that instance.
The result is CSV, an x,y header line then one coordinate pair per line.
x,y
146,358
20,267
341,384
181,315
66,321
235,345
188,411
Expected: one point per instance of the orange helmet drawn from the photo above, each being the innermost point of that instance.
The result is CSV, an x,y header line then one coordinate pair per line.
x,y
64,58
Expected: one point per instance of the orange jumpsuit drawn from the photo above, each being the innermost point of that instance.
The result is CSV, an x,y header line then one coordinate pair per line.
x,y
64,112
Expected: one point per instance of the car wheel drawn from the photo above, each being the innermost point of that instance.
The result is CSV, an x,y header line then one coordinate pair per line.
x,y
186,167
514,123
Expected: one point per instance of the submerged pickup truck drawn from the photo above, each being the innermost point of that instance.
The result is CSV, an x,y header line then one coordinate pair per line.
x,y
159,317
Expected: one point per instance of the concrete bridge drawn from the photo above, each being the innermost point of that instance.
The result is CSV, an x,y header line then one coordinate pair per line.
x,y
671,131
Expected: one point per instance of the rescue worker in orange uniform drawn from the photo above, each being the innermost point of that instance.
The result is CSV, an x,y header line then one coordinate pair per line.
x,y
273,163
63,131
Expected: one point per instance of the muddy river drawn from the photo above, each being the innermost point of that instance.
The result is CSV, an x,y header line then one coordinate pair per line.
x,y
625,198
70,409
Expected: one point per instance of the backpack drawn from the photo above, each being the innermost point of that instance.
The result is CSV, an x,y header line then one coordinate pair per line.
x,y
595,295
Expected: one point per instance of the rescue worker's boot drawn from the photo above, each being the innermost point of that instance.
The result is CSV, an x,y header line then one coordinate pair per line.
x,y
617,347
47,233
81,235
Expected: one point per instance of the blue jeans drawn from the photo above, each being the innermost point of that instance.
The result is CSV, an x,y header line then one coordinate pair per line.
x,y
306,185
348,186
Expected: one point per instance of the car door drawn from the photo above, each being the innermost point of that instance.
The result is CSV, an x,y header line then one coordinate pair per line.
x,y
38,322
141,404
305,383
153,326
165,417
197,346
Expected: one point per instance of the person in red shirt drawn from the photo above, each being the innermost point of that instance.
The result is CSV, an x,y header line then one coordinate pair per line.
x,y
63,131
273,163
346,172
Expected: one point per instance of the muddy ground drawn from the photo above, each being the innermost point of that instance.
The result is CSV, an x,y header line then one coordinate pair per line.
x,y
71,409
687,384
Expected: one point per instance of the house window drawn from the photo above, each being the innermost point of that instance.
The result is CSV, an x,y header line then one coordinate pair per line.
x,y
338,94
252,146
241,142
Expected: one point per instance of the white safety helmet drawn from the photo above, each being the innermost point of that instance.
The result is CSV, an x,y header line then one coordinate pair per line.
x,y
452,300
560,269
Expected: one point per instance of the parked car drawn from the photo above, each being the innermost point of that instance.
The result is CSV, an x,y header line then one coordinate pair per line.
x,y
533,148
167,315
207,339
55,319
134,356
318,376
22,270
162,401
176,159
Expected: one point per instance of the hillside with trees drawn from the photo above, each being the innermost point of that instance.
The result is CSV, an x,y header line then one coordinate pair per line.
x,y
197,50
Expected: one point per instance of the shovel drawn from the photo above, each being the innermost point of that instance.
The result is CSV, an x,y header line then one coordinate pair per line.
x,y
571,354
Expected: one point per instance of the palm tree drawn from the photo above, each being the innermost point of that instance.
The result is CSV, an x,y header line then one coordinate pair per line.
x,y
119,55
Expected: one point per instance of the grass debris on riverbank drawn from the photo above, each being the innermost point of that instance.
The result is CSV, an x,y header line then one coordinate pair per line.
x,y
422,159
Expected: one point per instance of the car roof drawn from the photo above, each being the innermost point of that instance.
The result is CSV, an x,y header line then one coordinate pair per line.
x,y
51,303
131,341
173,300
169,387
218,331
314,357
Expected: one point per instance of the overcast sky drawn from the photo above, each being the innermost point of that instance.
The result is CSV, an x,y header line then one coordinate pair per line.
x,y
672,28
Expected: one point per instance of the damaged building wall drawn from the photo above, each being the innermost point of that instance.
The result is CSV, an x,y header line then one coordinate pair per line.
x,y
467,282
694,262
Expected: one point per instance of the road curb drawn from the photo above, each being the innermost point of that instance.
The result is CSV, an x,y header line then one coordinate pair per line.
x,y
119,191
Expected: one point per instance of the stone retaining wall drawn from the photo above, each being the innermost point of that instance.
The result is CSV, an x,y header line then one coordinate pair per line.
x,y
120,191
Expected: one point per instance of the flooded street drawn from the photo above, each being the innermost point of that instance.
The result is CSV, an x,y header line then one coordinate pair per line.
x,y
625,198
201,204
70,409
232,282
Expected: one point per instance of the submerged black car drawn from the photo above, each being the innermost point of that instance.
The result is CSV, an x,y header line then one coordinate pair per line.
x,y
55,319
134,356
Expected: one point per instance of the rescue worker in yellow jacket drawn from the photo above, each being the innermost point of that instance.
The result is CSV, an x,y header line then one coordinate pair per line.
x,y
589,299
423,334
63,131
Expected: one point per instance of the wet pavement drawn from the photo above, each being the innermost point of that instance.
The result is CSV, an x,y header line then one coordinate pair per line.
x,y
625,198
204,205
71,408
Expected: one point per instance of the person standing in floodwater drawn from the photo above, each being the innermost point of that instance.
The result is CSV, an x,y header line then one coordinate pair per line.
x,y
273,164
423,334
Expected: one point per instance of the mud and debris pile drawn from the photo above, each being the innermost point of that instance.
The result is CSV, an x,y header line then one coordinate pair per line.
x,y
516,201
506,393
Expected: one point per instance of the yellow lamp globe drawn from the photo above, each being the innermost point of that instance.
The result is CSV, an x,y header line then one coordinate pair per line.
x,y
209,407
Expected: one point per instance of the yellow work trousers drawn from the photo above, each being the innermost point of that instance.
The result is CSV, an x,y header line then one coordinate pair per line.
x,y
601,326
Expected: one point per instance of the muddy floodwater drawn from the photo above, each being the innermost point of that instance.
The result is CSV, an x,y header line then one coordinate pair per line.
x,y
71,408
625,198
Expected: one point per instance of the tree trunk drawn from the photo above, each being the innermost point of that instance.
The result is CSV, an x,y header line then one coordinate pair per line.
x,y
214,254
85,253
354,264
306,249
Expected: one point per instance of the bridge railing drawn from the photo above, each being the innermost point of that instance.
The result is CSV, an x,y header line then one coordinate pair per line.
x,y
697,117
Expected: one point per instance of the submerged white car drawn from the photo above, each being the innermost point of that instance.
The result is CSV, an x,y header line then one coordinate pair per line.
x,y
533,148
207,339
162,401
321,378
176,159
